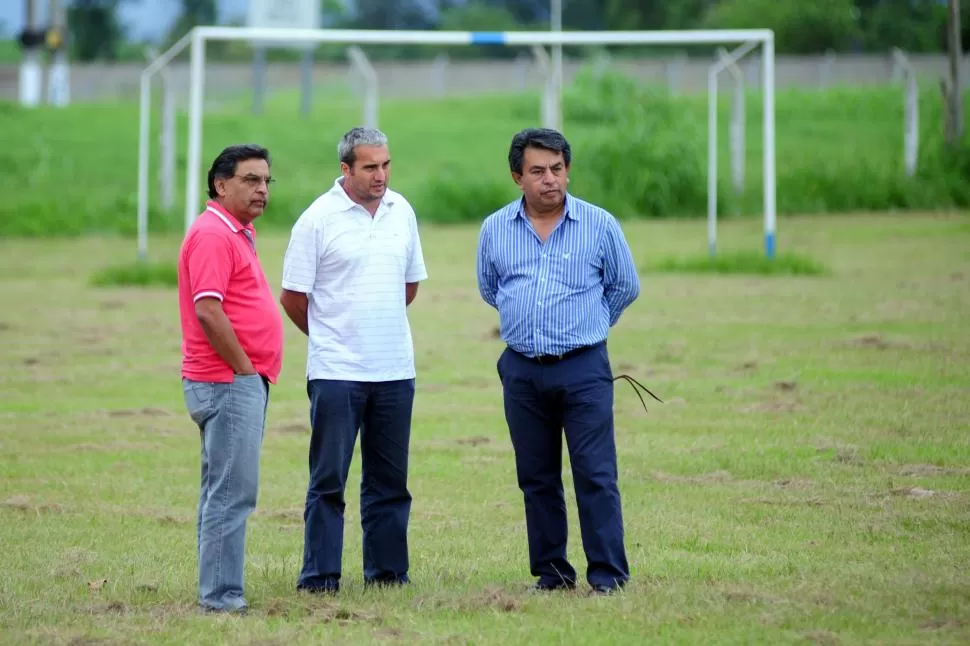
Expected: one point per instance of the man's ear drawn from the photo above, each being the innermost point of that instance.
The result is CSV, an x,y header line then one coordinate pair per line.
x,y
220,185
517,177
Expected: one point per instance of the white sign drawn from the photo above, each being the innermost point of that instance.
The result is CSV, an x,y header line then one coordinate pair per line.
x,y
284,14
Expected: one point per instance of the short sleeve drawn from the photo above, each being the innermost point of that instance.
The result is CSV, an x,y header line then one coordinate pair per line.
x,y
300,259
416,271
210,263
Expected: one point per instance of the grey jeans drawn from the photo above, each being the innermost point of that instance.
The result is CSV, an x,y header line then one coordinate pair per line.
x,y
231,419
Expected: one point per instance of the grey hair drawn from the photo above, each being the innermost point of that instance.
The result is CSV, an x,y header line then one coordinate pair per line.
x,y
346,149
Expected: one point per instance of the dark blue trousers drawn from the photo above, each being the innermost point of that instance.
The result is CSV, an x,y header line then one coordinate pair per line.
x,y
573,397
382,412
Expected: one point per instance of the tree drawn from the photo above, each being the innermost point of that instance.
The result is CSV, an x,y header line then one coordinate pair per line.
x,y
952,91
94,30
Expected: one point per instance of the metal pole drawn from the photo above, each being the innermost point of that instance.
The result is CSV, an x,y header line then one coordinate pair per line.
x,y
58,76
143,150
306,81
259,78
768,92
196,81
557,66
712,161
31,74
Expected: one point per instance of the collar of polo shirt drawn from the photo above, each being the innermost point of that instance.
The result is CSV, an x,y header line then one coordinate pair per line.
x,y
234,225
387,200
569,211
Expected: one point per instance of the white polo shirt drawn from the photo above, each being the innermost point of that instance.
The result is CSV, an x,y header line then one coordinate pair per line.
x,y
353,268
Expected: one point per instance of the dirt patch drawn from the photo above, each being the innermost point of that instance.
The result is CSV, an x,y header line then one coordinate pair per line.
x,y
924,470
772,406
23,503
785,502
940,623
492,598
786,385
842,453
715,477
913,492
139,412
5,327
793,483
474,441
344,616
748,366
823,637
282,515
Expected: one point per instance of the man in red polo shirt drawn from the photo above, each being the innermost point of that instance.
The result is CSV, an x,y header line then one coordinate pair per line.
x,y
232,347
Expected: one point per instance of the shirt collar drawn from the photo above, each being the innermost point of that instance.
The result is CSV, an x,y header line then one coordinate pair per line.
x,y
228,218
570,211
346,203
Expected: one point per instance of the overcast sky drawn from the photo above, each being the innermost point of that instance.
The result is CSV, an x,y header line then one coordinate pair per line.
x,y
145,19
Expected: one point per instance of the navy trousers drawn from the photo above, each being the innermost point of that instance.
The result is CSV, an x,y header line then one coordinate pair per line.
x,y
573,397
382,412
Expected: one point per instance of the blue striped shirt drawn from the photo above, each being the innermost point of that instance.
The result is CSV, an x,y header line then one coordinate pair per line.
x,y
559,295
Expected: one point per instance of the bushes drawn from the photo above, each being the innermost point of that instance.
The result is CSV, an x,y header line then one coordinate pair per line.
x,y
638,151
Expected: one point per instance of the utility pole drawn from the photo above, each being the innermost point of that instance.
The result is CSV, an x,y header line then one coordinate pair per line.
x,y
58,77
31,41
556,19
952,90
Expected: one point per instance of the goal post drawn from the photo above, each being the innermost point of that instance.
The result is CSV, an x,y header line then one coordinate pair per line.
x,y
197,38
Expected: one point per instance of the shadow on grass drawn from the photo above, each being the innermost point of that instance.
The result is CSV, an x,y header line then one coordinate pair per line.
x,y
744,262
138,274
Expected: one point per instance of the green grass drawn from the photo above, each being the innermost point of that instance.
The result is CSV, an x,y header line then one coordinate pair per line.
x,y
778,496
742,262
71,171
137,274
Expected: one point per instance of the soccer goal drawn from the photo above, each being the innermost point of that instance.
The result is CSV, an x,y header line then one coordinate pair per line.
x,y
745,39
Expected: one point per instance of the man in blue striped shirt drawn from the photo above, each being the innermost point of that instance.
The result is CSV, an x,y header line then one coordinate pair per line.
x,y
560,274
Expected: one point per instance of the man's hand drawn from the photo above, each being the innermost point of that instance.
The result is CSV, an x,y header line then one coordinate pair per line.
x,y
221,336
295,304
410,292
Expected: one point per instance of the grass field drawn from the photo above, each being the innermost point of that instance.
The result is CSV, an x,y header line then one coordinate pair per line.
x,y
806,481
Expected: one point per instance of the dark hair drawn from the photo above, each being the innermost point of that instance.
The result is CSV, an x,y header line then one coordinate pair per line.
x,y
224,166
545,138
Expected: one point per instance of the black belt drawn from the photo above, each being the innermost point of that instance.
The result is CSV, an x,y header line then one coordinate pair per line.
x,y
548,359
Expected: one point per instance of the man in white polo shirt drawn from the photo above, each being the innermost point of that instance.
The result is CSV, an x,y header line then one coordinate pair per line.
x,y
352,267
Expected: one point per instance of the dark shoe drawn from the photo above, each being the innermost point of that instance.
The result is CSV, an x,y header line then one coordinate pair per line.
x,y
549,586
605,590
242,611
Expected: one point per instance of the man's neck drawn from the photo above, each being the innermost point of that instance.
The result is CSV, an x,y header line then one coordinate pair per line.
x,y
553,215
243,220
370,206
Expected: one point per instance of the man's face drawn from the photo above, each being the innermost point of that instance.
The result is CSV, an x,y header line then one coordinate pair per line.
x,y
543,178
246,193
367,179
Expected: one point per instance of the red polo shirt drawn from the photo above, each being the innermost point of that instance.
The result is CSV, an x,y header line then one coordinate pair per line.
x,y
218,261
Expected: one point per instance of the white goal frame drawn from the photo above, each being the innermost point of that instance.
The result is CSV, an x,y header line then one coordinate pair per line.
x,y
196,39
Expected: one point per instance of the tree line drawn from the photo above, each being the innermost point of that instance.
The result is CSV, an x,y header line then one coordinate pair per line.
x,y
801,26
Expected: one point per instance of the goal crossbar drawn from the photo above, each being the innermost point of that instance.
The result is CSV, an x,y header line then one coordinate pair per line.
x,y
198,36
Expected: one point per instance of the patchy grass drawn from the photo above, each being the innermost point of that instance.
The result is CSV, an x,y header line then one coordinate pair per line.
x,y
742,262
137,274
807,479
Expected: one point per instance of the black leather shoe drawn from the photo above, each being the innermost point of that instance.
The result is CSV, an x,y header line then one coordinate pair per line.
x,y
605,589
319,589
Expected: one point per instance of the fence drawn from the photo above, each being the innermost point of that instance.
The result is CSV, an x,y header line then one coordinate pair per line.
x,y
441,77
